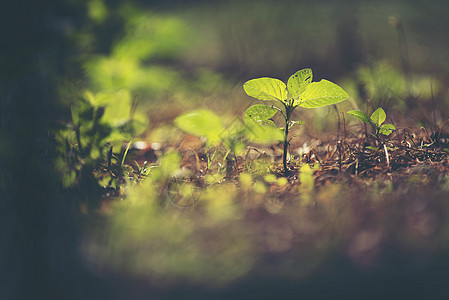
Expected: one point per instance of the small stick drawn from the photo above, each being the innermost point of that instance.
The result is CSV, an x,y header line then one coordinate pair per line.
x,y
339,154
386,155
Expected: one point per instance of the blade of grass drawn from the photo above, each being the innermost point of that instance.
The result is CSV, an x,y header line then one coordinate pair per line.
x,y
125,153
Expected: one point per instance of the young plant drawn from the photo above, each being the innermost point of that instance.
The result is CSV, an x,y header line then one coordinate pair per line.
x,y
299,91
376,120
100,123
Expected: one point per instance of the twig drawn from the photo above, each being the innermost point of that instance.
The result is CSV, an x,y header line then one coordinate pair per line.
x,y
386,155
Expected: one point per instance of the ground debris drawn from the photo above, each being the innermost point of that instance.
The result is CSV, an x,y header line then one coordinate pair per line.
x,y
366,158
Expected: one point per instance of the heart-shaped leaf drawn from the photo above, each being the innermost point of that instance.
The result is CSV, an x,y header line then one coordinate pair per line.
x,y
298,82
259,114
322,93
266,88
378,117
257,118
359,115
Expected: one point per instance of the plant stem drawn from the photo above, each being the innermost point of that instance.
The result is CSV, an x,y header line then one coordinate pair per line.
x,y
288,112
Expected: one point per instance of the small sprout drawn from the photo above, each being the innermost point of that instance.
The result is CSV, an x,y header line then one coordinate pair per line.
x,y
376,120
299,91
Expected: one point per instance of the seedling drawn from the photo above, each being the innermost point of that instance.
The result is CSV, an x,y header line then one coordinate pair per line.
x,y
299,91
100,123
376,120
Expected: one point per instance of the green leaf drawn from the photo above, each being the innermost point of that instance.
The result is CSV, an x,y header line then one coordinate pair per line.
x,y
257,130
117,105
298,82
378,117
359,115
201,122
266,88
322,93
259,114
387,129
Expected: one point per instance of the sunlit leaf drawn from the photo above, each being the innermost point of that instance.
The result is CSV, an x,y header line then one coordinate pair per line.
x,y
259,114
387,129
266,89
257,120
111,73
322,93
359,115
298,82
378,117
117,105
201,122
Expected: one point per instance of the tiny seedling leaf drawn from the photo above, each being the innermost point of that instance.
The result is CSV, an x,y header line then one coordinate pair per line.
x,y
359,115
266,88
298,82
387,129
260,114
322,93
378,117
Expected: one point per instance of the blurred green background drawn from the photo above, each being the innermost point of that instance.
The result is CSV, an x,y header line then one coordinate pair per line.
x,y
176,56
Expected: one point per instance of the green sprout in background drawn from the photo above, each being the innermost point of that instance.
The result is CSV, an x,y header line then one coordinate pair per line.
x,y
299,91
376,120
